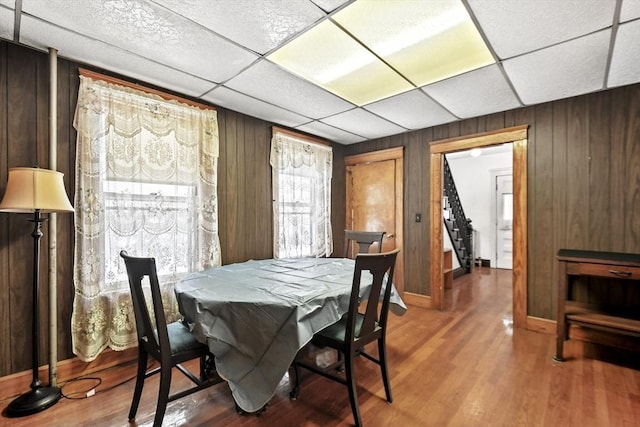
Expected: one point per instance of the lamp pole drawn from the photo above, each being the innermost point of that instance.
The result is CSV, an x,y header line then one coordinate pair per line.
x,y
40,397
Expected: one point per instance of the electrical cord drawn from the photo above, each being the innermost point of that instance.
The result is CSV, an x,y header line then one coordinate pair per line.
x,y
91,391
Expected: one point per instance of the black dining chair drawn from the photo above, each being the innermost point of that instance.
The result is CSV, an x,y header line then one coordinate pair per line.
x,y
356,329
171,345
364,240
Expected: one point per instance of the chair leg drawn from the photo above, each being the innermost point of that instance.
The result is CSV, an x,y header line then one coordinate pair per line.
x,y
351,385
140,376
382,354
163,394
293,394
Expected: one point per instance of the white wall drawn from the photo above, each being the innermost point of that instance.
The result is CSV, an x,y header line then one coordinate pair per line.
x,y
473,178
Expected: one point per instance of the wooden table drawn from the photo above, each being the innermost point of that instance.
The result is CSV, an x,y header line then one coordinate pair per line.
x,y
623,267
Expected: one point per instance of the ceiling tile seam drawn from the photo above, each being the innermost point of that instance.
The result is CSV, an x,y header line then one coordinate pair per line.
x,y
116,48
208,29
309,82
612,42
334,127
17,18
381,59
387,120
263,101
495,56
607,28
242,70
295,35
435,101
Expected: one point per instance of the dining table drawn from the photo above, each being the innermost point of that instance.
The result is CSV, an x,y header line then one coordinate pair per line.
x,y
256,315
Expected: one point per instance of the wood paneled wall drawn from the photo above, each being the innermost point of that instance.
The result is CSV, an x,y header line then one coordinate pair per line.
x,y
583,183
584,165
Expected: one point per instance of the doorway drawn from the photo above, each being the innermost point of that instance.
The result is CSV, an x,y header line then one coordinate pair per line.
x,y
517,135
374,192
503,197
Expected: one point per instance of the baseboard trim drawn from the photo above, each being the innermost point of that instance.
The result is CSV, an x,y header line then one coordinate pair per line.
x,y
18,383
417,300
538,324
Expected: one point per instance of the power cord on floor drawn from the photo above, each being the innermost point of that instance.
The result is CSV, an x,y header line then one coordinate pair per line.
x,y
92,389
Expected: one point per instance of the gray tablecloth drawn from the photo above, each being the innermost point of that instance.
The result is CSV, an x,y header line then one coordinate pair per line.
x,y
256,315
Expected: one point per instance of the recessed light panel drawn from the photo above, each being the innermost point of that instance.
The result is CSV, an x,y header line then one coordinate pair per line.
x,y
332,59
425,41
374,49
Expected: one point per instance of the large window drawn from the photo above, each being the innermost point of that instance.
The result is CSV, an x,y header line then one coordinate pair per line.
x,y
301,172
145,183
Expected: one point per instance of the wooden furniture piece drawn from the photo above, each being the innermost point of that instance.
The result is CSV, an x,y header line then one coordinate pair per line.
x,y
354,330
624,268
364,239
170,344
447,269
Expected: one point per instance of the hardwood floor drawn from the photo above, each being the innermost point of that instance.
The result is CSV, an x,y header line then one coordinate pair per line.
x,y
463,366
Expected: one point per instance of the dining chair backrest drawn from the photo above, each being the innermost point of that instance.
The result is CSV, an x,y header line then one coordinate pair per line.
x,y
364,240
151,327
374,319
171,344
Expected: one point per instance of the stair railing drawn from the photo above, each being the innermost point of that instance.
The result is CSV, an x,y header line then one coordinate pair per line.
x,y
458,217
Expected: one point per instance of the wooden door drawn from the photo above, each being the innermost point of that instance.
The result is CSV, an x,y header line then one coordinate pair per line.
x,y
504,221
374,199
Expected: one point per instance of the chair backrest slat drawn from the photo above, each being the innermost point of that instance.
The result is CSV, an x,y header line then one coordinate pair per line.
x,y
139,268
364,240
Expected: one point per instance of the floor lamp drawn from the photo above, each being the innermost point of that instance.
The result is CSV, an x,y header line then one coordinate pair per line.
x,y
35,191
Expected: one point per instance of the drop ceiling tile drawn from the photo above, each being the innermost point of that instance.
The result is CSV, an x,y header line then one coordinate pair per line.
x,y
270,83
476,93
241,103
331,133
6,23
84,50
630,10
260,26
625,61
363,123
568,69
148,30
412,110
516,27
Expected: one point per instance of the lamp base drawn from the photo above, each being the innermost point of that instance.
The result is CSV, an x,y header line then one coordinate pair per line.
x,y
38,399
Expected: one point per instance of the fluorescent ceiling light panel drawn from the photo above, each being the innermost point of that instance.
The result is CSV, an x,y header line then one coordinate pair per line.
x,y
330,58
424,41
382,48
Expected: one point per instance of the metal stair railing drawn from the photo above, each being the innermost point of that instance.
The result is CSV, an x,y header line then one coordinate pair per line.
x,y
458,225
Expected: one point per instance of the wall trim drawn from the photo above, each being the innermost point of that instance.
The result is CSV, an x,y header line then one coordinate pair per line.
x,y
417,300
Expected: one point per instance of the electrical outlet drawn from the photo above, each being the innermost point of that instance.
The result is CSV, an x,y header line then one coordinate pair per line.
x,y
418,217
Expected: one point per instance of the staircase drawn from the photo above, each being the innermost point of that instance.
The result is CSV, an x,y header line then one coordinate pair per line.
x,y
457,224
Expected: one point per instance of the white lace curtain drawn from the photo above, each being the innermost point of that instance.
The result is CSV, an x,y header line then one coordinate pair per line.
x,y
301,176
146,183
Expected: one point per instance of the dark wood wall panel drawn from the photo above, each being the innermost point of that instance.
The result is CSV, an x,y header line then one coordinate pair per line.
x,y
5,319
573,201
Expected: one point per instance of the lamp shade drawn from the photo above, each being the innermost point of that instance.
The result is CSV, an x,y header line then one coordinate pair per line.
x,y
31,189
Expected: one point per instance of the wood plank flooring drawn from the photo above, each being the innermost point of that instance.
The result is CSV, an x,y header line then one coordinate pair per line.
x,y
463,366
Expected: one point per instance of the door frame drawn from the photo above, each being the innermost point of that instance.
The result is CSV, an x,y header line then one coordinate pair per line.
x,y
518,136
396,154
